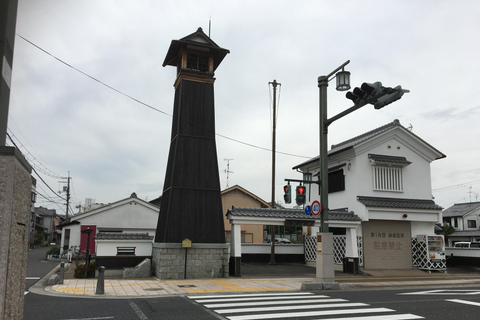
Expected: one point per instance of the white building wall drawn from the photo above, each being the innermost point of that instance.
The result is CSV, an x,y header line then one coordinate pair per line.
x,y
108,248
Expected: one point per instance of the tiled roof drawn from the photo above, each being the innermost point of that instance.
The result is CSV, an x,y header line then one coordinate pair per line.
x,y
389,159
460,209
297,214
468,233
399,203
122,236
336,148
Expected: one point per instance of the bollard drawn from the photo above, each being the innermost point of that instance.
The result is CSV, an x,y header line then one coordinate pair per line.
x,y
101,281
62,273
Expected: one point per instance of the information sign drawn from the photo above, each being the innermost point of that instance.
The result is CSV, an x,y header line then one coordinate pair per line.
x,y
308,210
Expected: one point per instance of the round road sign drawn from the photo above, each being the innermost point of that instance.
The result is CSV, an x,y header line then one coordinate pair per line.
x,y
316,208
308,210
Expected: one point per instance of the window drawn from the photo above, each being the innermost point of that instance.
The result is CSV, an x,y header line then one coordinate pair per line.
x,y
472,224
125,251
388,172
336,181
387,178
197,62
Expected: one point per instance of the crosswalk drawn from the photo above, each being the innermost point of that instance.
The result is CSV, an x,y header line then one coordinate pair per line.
x,y
294,305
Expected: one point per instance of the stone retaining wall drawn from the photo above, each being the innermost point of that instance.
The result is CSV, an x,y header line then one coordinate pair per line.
x,y
202,260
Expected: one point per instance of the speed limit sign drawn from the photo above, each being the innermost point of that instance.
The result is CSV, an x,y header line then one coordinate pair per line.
x,y
316,208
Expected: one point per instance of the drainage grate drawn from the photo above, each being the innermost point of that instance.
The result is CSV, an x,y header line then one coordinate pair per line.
x,y
186,286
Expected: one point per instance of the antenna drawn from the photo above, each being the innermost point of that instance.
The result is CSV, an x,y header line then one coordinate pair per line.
x,y
227,171
210,27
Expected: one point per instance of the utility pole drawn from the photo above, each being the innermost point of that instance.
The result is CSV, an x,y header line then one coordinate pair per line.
x,y
227,171
67,190
274,133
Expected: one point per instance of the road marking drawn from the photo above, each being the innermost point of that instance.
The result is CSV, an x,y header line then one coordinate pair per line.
x,y
26,292
32,278
287,305
96,318
477,304
309,314
390,317
291,308
443,292
269,303
137,310
249,298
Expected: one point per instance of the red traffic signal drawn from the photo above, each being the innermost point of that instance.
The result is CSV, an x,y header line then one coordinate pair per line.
x,y
301,195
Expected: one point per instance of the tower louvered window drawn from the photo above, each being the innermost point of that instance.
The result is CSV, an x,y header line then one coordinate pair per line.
x,y
388,172
387,178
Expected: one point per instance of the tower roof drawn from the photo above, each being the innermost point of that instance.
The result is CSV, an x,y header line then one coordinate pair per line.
x,y
197,40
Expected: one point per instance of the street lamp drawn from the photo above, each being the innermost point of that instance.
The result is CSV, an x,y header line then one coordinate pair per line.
x,y
374,94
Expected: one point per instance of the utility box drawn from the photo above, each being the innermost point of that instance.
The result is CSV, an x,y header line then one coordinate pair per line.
x,y
350,265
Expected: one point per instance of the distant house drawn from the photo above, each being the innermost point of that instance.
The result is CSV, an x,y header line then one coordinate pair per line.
x,y
45,222
240,197
383,177
130,218
465,218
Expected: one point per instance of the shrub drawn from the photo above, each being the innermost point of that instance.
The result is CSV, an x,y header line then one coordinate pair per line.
x,y
53,251
79,272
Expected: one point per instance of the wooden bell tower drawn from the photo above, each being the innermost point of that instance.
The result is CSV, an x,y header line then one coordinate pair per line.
x,y
191,205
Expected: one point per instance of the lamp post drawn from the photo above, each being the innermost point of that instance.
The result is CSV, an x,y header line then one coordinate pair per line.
x,y
343,83
374,94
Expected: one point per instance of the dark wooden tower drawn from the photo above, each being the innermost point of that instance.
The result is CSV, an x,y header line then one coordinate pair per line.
x,y
191,205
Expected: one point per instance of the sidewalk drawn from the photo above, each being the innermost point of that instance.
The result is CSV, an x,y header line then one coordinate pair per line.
x,y
279,278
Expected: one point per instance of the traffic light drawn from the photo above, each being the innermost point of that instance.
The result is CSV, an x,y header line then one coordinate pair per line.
x,y
301,195
288,193
367,93
375,94
395,94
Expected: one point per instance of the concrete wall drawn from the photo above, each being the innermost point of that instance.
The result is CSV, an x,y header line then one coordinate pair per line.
x,y
15,206
108,248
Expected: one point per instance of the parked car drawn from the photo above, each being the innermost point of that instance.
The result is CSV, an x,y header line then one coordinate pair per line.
x,y
282,241
464,244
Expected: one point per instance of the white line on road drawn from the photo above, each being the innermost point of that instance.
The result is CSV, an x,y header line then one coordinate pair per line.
x,y
291,307
32,278
137,310
407,316
270,303
96,318
309,313
464,302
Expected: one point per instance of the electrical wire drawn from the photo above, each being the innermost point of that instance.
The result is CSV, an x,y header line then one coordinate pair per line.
x,y
143,103
34,170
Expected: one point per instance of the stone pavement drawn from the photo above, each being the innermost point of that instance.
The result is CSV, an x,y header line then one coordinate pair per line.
x,y
258,278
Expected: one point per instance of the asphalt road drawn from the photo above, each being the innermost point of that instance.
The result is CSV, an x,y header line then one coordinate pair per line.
x,y
37,266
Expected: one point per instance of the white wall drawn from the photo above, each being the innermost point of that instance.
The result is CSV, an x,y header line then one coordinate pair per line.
x,y
108,248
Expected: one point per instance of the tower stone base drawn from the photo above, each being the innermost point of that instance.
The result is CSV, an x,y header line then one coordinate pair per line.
x,y
201,261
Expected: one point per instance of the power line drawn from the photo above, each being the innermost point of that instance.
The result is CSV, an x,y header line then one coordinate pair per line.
x,y
34,170
143,103
465,184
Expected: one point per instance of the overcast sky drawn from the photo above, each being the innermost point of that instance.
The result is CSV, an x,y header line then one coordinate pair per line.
x,y
113,143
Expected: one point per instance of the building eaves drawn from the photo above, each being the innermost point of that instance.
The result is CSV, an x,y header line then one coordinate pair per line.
x,y
467,233
296,214
389,159
248,193
460,209
349,144
399,203
122,236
